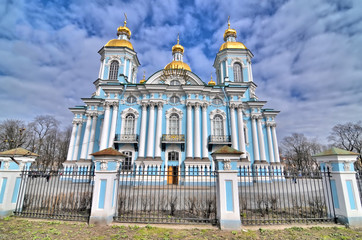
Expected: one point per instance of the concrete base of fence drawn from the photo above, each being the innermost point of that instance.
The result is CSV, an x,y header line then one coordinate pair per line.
x,y
101,220
230,225
350,221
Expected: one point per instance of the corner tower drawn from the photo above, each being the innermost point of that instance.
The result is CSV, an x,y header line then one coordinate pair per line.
x,y
233,61
119,61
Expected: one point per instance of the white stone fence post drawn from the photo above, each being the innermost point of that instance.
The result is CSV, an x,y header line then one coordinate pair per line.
x,y
343,182
104,202
12,162
227,193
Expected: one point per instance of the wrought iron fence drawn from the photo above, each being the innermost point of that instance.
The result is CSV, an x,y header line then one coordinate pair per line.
x,y
359,182
158,195
274,195
63,194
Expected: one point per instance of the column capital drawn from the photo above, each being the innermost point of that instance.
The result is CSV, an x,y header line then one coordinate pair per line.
x,y
160,104
254,116
240,107
204,107
232,106
197,105
77,121
151,105
189,105
107,104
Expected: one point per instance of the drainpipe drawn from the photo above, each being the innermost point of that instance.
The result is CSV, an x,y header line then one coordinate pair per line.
x,y
227,109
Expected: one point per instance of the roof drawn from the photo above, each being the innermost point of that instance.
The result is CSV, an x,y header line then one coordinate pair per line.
x,y
227,150
108,152
18,152
335,151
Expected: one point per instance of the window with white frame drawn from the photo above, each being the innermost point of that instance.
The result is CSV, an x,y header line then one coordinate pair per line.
x,y
238,72
174,124
218,125
131,99
127,164
113,71
175,82
173,156
174,99
217,101
129,124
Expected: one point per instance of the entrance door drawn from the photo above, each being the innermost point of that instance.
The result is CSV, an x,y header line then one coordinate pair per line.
x,y
172,175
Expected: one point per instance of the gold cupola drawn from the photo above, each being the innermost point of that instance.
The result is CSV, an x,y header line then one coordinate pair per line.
x,y
177,53
143,80
211,82
230,39
124,35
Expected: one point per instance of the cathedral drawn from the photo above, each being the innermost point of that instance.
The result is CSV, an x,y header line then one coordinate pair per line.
x,y
173,119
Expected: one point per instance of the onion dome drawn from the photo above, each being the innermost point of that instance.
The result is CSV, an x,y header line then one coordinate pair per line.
x,y
143,80
177,53
178,47
230,39
211,82
177,65
124,35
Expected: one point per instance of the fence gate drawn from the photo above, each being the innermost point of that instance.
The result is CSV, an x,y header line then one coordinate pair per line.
x,y
158,195
63,194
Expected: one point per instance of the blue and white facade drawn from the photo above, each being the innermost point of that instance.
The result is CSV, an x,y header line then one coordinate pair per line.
x,y
173,119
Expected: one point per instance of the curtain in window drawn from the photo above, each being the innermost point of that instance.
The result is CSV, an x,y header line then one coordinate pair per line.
x,y
174,124
218,126
129,124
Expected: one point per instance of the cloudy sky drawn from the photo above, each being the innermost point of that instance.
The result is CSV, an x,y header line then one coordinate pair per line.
x,y
307,64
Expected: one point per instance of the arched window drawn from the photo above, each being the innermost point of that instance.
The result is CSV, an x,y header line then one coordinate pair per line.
x,y
238,72
175,82
129,124
218,124
131,99
113,72
174,124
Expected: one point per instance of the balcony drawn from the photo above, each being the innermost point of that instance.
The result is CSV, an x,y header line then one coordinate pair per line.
x,y
219,140
173,139
127,138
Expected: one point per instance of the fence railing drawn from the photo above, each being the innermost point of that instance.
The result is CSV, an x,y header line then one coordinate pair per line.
x,y
273,195
65,195
158,195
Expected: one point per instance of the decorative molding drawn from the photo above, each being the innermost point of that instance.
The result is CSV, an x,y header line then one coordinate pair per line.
x,y
227,164
174,110
128,111
217,112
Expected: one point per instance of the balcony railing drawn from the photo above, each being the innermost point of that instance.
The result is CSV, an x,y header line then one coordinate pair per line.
x,y
173,138
219,139
126,138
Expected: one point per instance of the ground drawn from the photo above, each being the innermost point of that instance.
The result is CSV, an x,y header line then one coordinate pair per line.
x,y
20,228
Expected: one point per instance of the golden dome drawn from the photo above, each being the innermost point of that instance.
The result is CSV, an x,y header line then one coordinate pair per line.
x,y
211,82
119,43
232,45
142,81
177,65
178,47
229,32
125,30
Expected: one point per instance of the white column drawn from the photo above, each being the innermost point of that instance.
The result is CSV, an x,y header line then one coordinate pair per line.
x,y
124,66
226,69
189,133
112,133
105,128
275,144
92,135
83,153
205,153
103,66
251,73
141,150
197,143
72,139
158,131
270,146
261,140
222,73
130,71
255,139
151,131
234,140
77,141
241,132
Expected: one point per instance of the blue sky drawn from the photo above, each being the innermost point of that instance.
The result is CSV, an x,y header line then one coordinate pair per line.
x,y
307,60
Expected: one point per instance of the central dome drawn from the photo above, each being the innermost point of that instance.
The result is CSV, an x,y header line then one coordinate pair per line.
x,y
177,65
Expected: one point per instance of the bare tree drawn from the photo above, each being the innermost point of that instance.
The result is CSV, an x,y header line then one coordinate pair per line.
x,y
298,151
13,134
348,136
